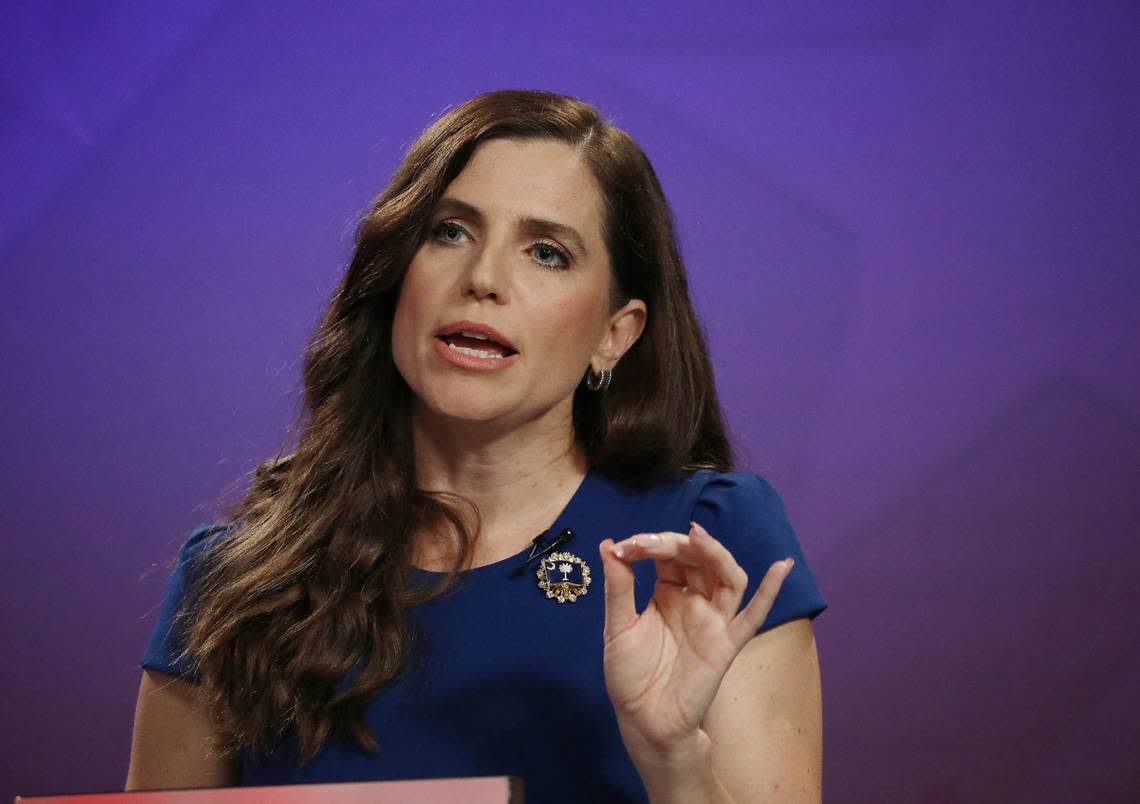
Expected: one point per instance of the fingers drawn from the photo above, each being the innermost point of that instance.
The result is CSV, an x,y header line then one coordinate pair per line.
x,y
666,546
745,625
731,579
621,610
697,561
702,565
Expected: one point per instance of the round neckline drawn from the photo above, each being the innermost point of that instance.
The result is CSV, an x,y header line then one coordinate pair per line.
x,y
566,514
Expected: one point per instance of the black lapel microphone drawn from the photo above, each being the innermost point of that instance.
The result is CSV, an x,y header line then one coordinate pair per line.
x,y
540,546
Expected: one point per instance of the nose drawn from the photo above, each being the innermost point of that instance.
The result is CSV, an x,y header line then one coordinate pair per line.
x,y
487,274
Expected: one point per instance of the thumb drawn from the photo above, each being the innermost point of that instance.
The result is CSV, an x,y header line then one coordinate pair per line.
x,y
621,612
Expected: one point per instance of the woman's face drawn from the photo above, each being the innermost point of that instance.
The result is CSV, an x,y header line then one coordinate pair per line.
x,y
506,303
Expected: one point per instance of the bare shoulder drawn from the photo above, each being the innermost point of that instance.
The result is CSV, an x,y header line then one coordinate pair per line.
x,y
766,722
174,743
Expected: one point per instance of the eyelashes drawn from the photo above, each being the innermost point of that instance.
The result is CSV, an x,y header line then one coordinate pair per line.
x,y
544,252
542,246
444,227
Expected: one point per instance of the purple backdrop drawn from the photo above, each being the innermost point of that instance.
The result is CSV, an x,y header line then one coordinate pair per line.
x,y
911,228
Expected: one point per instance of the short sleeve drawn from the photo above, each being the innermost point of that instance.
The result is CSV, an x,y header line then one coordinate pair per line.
x,y
168,640
745,514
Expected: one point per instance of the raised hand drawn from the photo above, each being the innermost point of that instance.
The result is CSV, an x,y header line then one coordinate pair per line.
x,y
663,666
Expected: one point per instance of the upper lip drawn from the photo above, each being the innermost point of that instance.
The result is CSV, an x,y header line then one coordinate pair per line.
x,y
490,332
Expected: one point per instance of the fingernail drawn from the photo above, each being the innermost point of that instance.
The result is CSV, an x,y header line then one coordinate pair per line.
x,y
653,537
617,552
790,562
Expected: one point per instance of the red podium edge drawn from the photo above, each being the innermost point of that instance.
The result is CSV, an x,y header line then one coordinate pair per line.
x,y
474,790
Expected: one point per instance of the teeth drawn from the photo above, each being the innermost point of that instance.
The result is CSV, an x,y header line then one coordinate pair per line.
x,y
474,352
478,336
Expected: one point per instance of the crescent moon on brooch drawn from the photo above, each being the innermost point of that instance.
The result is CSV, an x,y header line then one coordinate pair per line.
x,y
563,576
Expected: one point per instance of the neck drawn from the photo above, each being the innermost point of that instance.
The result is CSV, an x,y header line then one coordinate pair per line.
x,y
518,480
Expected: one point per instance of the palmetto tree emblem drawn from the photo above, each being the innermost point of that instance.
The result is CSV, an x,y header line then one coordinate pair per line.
x,y
563,589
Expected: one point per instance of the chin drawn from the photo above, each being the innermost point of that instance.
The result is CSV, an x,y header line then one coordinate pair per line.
x,y
470,412
472,406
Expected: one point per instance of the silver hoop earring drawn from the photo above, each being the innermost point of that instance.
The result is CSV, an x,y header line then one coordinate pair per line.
x,y
600,381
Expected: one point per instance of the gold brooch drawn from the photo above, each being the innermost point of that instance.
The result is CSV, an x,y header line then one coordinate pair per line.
x,y
563,576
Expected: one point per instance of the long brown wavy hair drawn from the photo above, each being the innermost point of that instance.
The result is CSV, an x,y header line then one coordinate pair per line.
x,y
310,586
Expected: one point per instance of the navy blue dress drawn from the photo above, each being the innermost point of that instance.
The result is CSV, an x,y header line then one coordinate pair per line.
x,y
508,681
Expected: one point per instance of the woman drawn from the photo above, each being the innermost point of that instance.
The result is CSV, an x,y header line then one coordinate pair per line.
x,y
512,352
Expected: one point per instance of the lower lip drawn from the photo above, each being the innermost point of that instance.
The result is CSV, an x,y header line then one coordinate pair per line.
x,y
471,361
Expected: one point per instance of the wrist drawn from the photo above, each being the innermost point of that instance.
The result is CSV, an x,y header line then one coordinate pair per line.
x,y
680,771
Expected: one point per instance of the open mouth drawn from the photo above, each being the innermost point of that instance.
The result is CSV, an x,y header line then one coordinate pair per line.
x,y
476,344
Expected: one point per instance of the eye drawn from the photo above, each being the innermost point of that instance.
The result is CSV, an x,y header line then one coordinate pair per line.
x,y
449,232
549,255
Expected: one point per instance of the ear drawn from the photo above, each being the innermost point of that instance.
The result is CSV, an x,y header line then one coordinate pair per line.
x,y
625,327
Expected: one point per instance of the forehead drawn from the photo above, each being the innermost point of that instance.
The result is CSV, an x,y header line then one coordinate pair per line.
x,y
532,178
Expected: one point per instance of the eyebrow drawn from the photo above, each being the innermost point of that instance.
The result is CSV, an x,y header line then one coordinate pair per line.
x,y
561,231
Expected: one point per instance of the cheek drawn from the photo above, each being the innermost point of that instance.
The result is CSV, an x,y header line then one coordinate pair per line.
x,y
406,321
577,326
